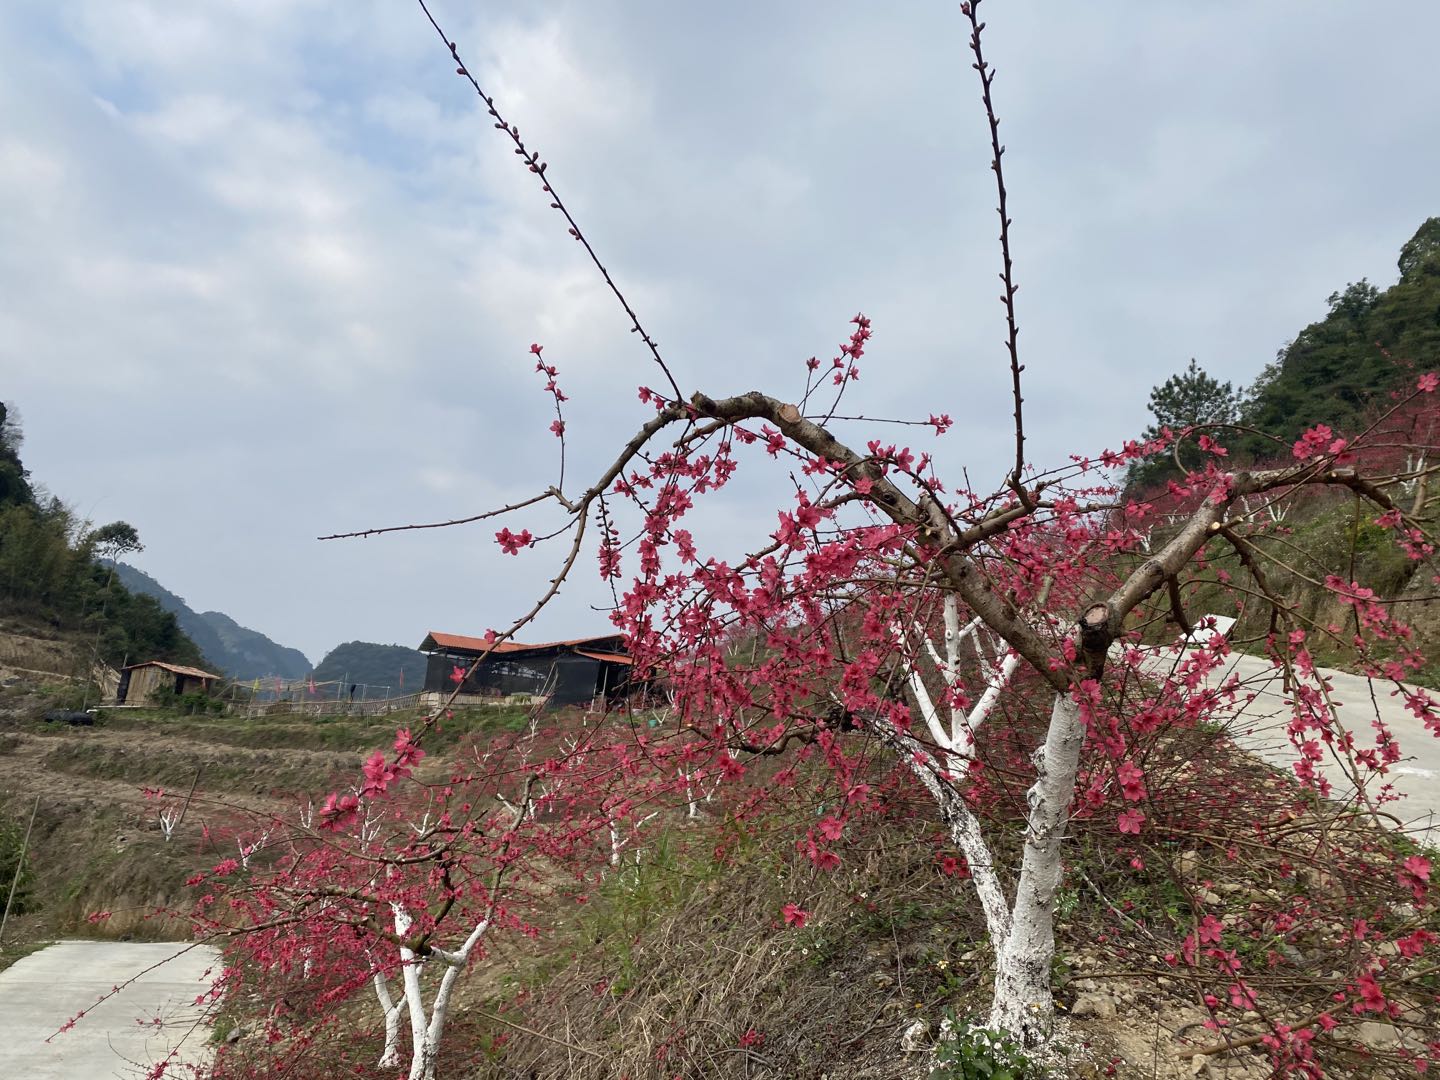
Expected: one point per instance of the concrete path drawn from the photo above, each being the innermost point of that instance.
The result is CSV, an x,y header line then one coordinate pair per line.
x,y
1260,728
43,990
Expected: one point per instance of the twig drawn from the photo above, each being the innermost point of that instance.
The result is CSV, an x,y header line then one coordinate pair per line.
x,y
186,804
532,1031
361,534
538,167
1007,274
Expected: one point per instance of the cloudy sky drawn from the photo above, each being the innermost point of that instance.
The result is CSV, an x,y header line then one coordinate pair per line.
x,y
266,272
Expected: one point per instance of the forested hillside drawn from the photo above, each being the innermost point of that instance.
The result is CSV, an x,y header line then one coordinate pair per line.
x,y
1352,372
1340,371
52,570
235,650
366,663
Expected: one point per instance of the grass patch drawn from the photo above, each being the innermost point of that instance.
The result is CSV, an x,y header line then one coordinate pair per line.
x,y
685,963
174,768
334,731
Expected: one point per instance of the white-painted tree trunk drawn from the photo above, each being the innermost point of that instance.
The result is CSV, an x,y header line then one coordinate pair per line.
x,y
427,1026
619,842
390,1055
1022,932
692,798
965,830
422,1058
1024,1003
1416,487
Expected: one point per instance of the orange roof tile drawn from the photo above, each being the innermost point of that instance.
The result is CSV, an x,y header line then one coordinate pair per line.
x,y
614,658
436,640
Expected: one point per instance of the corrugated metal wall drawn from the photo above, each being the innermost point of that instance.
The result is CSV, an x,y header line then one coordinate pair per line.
x,y
567,678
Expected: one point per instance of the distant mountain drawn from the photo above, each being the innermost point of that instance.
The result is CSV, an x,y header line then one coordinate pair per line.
x,y
249,653
375,666
238,651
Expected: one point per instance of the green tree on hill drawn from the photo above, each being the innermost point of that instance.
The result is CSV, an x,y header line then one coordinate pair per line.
x,y
1190,399
15,487
113,540
49,570
1421,253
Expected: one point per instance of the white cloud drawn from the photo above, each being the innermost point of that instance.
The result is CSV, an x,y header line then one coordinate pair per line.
x,y
270,273
28,173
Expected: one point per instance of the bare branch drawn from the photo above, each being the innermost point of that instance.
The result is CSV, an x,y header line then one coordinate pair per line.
x,y
535,165
1007,274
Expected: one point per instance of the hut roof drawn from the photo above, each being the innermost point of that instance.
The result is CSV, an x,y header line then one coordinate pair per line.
x,y
176,669
435,640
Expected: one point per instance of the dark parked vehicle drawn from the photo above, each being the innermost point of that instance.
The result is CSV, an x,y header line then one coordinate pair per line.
x,y
70,716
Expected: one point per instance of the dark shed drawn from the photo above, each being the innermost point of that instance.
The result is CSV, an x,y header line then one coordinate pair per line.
x,y
581,671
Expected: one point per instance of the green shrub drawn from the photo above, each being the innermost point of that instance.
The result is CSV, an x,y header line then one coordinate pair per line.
x,y
194,703
71,695
197,701
976,1053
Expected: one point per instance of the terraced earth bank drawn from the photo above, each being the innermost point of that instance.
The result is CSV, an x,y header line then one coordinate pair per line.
x,y
97,842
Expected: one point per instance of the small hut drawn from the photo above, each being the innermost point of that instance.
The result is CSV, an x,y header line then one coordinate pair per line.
x,y
139,681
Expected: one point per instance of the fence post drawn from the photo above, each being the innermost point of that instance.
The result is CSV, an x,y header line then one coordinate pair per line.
x,y
193,786
19,867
